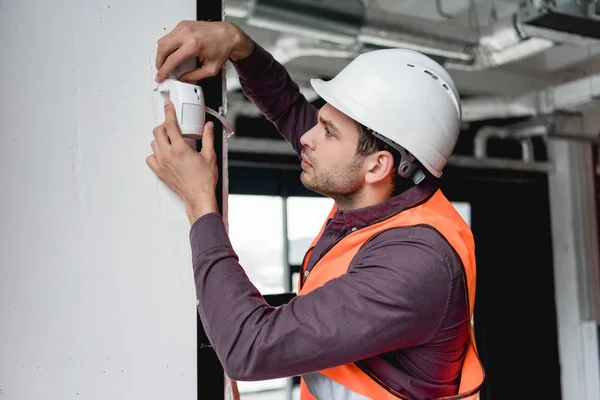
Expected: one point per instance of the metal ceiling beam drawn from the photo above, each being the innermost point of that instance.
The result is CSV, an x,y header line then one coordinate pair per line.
x,y
281,147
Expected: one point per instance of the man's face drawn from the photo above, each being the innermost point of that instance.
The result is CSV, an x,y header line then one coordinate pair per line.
x,y
330,164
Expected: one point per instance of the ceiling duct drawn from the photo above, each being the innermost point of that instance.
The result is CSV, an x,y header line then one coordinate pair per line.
x,y
481,108
507,42
569,96
342,23
342,30
526,33
290,47
319,20
579,17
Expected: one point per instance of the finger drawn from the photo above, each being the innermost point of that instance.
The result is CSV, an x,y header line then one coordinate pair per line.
x,y
171,125
205,71
208,137
155,148
167,45
174,60
162,139
152,163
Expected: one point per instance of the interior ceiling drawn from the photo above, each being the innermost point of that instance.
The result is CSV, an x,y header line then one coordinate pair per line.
x,y
460,23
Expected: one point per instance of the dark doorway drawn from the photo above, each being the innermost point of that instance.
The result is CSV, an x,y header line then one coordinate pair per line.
x,y
515,316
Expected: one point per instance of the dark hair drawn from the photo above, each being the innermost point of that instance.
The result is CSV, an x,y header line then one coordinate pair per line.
x,y
369,144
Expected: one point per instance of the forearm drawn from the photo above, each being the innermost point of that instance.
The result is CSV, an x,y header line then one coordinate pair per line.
x,y
232,310
253,340
269,86
346,320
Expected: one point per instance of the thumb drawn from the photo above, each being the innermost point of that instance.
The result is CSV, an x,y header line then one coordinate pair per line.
x,y
208,137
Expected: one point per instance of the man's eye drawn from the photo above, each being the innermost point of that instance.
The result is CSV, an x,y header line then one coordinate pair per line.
x,y
328,132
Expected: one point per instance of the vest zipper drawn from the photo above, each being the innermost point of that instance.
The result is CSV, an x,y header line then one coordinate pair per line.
x,y
320,257
309,251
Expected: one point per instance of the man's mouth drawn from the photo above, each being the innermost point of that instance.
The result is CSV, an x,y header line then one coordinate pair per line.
x,y
305,159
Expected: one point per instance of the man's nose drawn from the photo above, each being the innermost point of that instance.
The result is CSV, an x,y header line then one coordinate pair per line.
x,y
307,140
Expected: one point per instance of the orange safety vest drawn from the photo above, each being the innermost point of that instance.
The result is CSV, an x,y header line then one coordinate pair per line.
x,y
350,382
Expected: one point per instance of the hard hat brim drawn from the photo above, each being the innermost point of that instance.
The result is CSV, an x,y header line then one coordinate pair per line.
x,y
323,89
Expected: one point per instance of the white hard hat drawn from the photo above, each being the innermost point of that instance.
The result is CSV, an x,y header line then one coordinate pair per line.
x,y
405,97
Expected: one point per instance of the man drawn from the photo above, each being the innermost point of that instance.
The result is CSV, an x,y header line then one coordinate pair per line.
x,y
384,308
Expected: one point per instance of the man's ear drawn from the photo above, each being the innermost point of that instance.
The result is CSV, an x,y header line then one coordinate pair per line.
x,y
379,166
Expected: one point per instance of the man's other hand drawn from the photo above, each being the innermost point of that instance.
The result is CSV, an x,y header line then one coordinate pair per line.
x,y
212,42
192,175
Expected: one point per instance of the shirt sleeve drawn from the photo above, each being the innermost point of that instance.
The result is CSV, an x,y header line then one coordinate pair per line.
x,y
269,86
382,304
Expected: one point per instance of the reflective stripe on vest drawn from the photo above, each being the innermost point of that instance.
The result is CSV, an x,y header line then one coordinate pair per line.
x,y
436,212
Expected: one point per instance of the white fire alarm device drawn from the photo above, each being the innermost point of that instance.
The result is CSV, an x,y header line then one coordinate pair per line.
x,y
189,107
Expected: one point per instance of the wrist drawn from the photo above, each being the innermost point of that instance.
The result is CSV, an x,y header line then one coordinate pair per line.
x,y
242,47
197,208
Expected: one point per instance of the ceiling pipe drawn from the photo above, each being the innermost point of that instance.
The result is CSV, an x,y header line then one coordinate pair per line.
x,y
523,135
545,127
499,163
527,150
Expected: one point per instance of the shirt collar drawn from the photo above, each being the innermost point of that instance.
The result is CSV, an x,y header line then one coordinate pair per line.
x,y
361,217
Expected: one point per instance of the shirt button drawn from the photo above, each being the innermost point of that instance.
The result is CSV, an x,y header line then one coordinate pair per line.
x,y
306,273
197,302
354,229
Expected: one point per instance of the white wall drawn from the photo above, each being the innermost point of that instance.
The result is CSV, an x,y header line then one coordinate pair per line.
x,y
96,288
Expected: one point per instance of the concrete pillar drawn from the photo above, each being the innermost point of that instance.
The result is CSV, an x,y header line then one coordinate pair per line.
x,y
576,267
97,296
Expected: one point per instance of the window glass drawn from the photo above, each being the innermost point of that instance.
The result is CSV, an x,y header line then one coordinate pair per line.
x,y
306,216
464,209
256,233
275,389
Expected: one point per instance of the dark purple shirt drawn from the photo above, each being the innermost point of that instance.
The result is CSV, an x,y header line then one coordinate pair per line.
x,y
399,312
